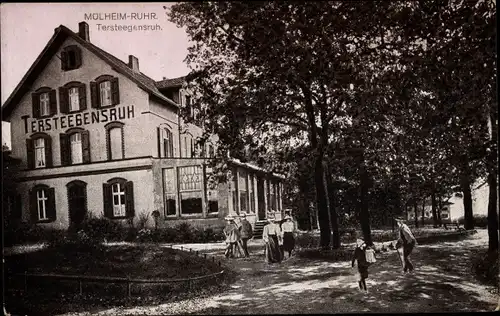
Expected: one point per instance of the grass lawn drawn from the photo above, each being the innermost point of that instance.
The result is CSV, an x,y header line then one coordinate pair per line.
x,y
49,296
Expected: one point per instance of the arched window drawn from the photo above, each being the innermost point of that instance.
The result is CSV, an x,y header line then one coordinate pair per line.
x,y
72,97
39,151
77,202
105,91
118,196
115,141
188,146
44,102
75,146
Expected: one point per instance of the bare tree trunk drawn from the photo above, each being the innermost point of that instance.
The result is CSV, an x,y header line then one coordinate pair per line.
x,y
322,204
423,212
434,210
440,207
334,221
493,217
364,213
415,207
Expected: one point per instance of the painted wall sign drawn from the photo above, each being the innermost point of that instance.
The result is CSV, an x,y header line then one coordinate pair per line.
x,y
77,119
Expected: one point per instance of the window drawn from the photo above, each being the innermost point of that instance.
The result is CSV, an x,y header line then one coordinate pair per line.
x,y
39,151
212,193
44,102
234,192
165,142
75,146
72,97
190,182
188,150
252,193
71,57
118,196
444,216
169,183
105,91
115,144
42,204
243,188
74,100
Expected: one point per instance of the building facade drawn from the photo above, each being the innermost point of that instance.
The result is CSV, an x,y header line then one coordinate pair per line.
x,y
94,135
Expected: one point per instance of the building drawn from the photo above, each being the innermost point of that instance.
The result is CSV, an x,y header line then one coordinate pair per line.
x,y
453,208
95,135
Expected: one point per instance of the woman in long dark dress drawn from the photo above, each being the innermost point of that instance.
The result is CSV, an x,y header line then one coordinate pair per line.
x,y
272,236
288,228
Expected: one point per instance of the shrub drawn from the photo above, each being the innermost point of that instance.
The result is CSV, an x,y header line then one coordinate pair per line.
x,y
143,220
479,221
102,229
485,267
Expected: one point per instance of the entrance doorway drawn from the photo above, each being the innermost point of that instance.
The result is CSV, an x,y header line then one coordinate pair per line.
x,y
77,203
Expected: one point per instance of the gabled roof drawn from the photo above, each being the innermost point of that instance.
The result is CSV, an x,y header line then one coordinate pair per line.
x,y
60,35
170,83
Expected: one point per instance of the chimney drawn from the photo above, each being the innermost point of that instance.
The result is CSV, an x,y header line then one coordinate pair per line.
x,y
83,31
133,63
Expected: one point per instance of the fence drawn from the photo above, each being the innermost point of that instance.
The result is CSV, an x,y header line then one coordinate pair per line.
x,y
81,279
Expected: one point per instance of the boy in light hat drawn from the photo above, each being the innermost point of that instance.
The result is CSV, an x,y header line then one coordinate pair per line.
x,y
360,256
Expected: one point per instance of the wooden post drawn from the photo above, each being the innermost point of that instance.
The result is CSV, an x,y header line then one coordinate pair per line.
x,y
129,288
80,286
205,256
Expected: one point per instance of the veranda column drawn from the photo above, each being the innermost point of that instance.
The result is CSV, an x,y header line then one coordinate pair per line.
x,y
256,195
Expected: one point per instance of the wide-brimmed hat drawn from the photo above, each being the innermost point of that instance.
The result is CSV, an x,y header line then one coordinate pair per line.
x,y
288,217
229,218
243,215
398,219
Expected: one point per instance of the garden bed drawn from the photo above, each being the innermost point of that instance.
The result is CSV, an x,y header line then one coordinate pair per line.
x,y
140,261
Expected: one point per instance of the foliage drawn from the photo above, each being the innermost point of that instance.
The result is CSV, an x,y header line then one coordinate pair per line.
x,y
143,220
485,266
17,233
479,221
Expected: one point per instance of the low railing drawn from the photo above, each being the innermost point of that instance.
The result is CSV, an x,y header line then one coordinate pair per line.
x,y
81,279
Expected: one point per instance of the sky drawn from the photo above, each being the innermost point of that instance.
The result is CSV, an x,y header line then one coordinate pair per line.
x,y
25,29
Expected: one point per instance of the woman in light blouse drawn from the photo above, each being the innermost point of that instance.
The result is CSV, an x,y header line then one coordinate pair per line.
x,y
272,236
288,228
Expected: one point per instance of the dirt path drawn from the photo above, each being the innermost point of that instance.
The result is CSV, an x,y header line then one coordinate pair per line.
x,y
443,283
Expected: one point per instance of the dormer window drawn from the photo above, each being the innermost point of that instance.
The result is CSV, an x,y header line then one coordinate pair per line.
x,y
71,58
105,91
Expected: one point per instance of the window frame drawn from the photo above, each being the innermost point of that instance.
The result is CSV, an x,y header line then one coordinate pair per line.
x,y
66,146
49,205
31,151
200,190
109,127
95,91
65,58
128,196
36,102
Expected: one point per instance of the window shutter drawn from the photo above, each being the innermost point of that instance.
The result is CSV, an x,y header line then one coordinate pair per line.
x,y
35,97
82,94
63,100
78,56
64,60
33,206
171,144
115,91
48,152
107,199
30,153
129,199
94,95
51,204
158,133
53,101
65,149
86,146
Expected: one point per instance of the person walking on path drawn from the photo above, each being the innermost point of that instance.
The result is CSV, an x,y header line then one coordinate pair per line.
x,y
272,236
288,229
359,255
232,237
246,233
408,242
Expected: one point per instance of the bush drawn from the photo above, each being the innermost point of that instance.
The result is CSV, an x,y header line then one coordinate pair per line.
x,y
485,267
23,232
479,221
103,229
